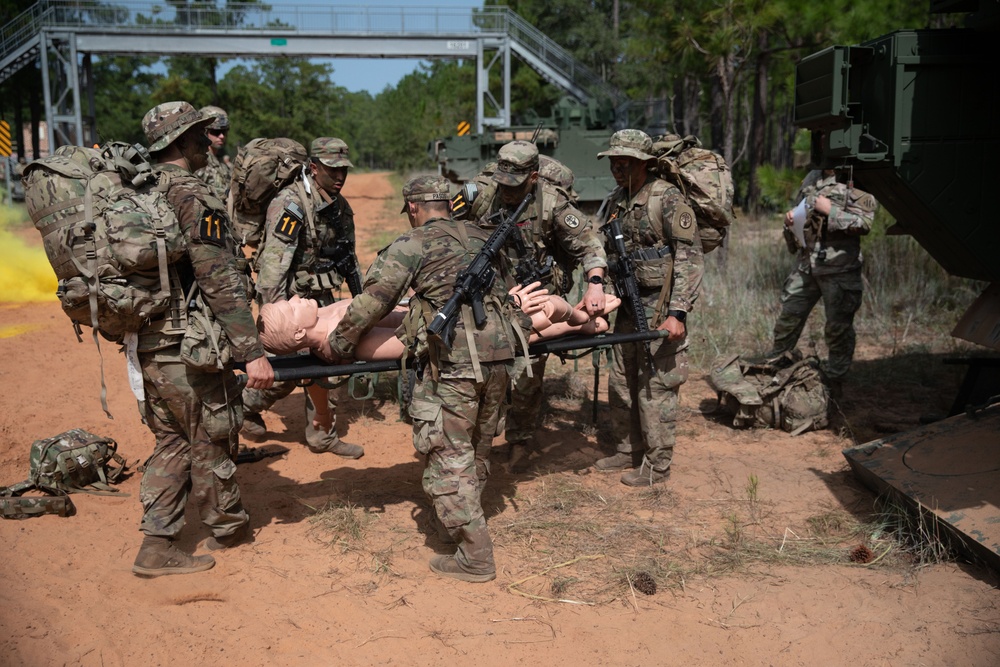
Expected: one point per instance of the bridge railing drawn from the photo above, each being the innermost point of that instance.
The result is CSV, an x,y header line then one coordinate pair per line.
x,y
208,17
23,27
304,18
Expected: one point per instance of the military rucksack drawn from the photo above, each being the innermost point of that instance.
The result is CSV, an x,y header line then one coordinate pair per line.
x,y
786,393
108,233
261,169
76,461
705,178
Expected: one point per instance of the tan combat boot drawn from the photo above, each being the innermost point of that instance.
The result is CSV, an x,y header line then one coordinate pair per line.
x,y
158,556
620,461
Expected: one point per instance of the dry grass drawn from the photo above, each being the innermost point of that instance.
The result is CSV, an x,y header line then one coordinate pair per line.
x,y
571,538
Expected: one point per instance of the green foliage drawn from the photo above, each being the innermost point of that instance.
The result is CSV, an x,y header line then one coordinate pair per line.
x,y
778,186
127,86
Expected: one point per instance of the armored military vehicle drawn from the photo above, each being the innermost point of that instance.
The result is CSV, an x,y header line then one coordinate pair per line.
x,y
914,115
574,134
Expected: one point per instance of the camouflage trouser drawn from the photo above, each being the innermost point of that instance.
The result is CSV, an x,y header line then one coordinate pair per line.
x,y
258,400
644,404
841,294
526,400
196,418
454,421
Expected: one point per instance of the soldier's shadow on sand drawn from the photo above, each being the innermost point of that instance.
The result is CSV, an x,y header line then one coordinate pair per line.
x,y
286,419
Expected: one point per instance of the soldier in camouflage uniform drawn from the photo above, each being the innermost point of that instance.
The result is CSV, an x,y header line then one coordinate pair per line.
x,y
193,412
459,389
829,267
216,173
661,237
289,263
555,232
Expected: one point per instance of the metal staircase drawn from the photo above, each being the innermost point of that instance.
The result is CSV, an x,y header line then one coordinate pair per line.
x,y
57,32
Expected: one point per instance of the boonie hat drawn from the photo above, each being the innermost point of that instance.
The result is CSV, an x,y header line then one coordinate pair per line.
x,y
220,119
425,188
515,162
331,152
164,123
630,143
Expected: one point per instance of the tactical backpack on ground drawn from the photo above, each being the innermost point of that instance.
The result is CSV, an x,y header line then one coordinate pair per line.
x,y
76,461
787,393
705,178
261,169
108,234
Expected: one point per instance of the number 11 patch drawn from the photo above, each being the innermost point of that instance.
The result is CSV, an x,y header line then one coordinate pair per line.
x,y
211,228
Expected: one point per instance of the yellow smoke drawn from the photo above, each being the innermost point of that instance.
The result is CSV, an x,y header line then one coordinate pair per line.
x,y
25,273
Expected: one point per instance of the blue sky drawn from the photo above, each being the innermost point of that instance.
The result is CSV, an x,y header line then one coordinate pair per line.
x,y
370,74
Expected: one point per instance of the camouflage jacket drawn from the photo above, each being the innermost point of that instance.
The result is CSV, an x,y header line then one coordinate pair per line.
x,y
427,259
553,227
217,175
289,261
211,262
833,243
661,236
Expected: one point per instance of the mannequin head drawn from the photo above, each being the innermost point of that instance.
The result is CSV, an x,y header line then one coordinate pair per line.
x,y
284,325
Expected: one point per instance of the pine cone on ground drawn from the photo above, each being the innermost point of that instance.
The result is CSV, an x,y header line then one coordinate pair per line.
x,y
644,583
861,554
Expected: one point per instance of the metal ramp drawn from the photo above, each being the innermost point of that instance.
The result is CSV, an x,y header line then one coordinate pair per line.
x,y
62,34
947,474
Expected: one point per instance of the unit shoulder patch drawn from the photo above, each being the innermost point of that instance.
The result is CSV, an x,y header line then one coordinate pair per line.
x,y
210,228
288,224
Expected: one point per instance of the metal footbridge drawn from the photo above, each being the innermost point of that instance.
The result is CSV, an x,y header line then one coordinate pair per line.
x,y
61,36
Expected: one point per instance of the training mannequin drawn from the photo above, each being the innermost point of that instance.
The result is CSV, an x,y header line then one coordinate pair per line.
x,y
298,324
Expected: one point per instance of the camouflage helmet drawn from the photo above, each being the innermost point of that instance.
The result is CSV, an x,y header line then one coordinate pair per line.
x,y
164,123
516,161
220,119
330,151
630,143
424,189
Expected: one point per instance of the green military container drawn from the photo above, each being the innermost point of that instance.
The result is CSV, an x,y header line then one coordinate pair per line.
x,y
574,134
915,113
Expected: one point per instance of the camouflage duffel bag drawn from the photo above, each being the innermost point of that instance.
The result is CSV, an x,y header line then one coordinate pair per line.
x,y
786,393
15,505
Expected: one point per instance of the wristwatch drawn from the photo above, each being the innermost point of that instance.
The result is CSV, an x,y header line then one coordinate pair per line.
x,y
596,280
679,315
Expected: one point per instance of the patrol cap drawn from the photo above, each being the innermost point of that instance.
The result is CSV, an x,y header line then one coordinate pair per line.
x,y
330,151
630,143
220,119
425,188
515,162
164,123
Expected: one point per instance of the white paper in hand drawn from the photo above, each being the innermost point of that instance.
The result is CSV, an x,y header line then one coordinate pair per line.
x,y
134,369
799,215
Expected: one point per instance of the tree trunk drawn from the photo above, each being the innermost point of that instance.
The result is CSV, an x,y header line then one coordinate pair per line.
x,y
717,114
758,127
